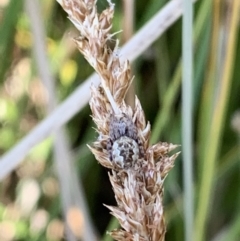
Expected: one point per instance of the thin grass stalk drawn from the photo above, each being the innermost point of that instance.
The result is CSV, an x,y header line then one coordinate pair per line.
x,y
187,117
236,127
171,92
208,87
71,198
64,112
202,17
218,118
206,110
128,27
37,28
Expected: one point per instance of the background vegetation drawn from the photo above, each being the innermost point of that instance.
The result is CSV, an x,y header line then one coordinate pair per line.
x,y
30,196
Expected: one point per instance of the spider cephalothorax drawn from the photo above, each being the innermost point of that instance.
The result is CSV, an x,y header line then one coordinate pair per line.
x,y
124,145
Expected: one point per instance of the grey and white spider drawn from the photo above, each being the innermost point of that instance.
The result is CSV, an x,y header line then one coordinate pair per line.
x,y
124,145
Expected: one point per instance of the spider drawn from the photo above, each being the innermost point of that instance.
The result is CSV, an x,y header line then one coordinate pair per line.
x,y
124,146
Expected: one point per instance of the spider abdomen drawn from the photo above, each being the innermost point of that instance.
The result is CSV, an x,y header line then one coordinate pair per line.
x,y
124,151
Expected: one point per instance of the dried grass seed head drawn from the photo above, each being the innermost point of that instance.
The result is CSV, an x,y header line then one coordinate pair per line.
x,y
137,169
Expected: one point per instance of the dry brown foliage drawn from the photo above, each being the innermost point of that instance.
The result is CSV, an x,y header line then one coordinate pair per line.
x,y
137,170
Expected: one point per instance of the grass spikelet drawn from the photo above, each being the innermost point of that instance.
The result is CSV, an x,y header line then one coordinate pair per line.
x,y
136,169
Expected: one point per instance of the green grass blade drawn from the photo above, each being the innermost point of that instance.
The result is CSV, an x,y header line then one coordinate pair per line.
x,y
214,131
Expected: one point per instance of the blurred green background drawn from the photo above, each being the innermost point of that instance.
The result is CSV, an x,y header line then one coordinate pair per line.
x,y
30,200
